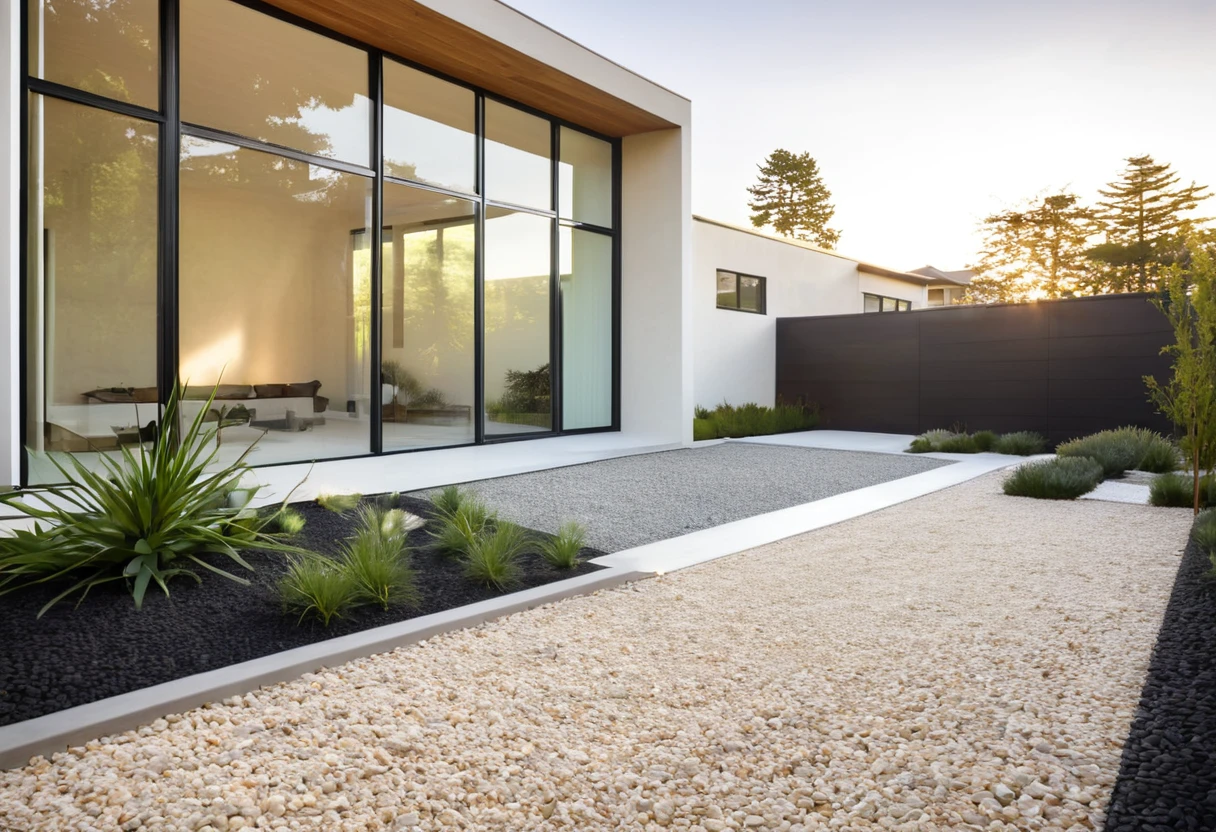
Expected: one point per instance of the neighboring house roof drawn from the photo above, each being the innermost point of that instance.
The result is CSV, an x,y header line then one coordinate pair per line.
x,y
862,266
960,277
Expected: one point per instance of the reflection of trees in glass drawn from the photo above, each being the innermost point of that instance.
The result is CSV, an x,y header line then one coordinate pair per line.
x,y
107,47
437,298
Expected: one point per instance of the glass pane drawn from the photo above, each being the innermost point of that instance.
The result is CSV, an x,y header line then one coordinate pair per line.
x,y
429,129
107,47
872,303
750,294
92,279
905,306
889,305
585,178
517,308
427,358
728,290
518,152
586,274
248,73
275,294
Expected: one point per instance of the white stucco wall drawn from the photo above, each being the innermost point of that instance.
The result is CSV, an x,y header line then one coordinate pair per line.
x,y
736,352
656,286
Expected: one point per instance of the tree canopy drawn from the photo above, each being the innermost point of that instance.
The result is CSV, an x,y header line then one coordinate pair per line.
x,y
789,195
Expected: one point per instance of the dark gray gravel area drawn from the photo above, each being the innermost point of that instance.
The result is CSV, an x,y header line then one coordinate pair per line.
x,y
634,500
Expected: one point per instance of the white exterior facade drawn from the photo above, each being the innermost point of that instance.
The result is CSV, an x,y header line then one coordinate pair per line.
x,y
736,352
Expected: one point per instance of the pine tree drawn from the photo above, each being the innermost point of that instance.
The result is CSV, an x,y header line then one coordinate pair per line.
x,y
790,196
1037,251
1142,214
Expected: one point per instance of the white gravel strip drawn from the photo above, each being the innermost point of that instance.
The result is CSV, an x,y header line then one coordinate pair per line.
x,y
962,661
1119,492
636,500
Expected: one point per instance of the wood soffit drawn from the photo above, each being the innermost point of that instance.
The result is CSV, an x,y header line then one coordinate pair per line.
x,y
420,34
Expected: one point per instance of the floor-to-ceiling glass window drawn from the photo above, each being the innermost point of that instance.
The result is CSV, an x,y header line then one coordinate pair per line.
x,y
274,289
484,212
517,321
427,336
91,242
585,197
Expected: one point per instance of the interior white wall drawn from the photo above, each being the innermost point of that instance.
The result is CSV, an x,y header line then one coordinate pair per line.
x,y
656,285
10,206
736,352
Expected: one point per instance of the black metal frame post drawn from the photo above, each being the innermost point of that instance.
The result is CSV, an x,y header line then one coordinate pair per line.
x,y
167,311
375,89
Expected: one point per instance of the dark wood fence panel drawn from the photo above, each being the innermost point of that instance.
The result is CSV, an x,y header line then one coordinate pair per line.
x,y
1061,368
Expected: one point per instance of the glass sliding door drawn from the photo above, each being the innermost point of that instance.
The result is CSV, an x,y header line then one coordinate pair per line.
x,y
518,258
586,284
428,341
91,279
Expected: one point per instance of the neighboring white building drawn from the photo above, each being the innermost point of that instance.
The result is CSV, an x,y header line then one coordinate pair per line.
x,y
947,288
744,279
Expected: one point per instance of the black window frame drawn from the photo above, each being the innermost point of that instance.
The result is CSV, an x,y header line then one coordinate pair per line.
x,y
167,117
901,305
762,292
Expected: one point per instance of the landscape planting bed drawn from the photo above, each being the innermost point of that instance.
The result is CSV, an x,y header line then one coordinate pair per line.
x,y
75,655
1167,778
635,500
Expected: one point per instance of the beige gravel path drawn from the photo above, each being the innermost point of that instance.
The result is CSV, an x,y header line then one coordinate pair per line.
x,y
965,660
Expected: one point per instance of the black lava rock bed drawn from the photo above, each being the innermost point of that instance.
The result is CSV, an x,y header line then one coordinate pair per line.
x,y
1167,778
74,655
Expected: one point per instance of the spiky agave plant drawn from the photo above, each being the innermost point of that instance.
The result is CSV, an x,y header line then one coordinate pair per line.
x,y
145,518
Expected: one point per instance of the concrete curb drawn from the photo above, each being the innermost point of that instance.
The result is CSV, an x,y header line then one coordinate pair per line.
x,y
56,732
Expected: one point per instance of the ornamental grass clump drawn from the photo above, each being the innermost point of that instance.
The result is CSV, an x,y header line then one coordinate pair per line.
x,y
454,532
371,568
1176,490
145,518
289,521
317,586
377,557
493,558
1124,449
1020,443
1204,532
750,419
1063,478
985,440
563,550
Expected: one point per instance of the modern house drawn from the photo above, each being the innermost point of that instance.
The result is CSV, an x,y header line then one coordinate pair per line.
x,y
386,227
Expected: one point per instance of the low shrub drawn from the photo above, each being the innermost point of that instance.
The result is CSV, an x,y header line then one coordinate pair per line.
x,y
1020,443
985,440
1064,478
1177,490
1204,532
339,503
1124,449
319,587
960,443
563,550
751,420
493,558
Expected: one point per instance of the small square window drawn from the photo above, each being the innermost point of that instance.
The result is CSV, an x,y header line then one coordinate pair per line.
x,y
743,292
879,303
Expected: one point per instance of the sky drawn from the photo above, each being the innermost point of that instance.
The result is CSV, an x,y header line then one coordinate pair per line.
x,y
925,117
